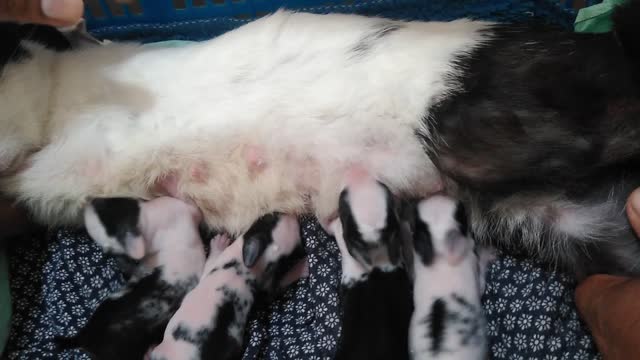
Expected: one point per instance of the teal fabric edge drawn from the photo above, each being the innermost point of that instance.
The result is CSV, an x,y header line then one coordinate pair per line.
x,y
168,43
5,300
596,18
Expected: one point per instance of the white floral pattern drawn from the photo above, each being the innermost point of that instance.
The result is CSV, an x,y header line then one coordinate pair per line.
x,y
55,283
311,305
542,316
55,288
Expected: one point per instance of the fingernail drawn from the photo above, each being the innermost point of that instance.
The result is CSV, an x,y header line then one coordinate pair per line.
x,y
64,10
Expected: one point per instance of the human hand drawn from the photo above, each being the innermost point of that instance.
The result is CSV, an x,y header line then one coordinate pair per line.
x,y
633,210
609,306
43,12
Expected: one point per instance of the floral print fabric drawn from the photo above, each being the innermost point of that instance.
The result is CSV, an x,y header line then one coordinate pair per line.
x,y
56,284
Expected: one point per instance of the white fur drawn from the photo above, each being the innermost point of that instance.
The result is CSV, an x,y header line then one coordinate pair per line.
x,y
24,100
572,221
367,200
368,203
439,213
95,228
169,238
286,238
352,270
216,247
199,309
441,280
119,117
172,228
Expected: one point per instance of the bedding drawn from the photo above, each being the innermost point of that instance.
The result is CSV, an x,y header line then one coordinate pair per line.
x,y
57,282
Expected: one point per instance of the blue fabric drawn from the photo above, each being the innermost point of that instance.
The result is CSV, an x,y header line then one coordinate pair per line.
x,y
58,282
305,322
166,12
547,10
531,314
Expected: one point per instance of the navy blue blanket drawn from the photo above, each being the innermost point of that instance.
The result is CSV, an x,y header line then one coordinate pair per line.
x,y
57,283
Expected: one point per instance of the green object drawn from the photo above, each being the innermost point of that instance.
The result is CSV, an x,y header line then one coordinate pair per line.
x,y
596,18
5,300
169,43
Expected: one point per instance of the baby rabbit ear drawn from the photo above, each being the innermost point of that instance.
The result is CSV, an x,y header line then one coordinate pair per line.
x,y
457,242
423,244
462,217
257,238
252,248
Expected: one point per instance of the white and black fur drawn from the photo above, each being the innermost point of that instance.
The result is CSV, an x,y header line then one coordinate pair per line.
x,y
375,289
534,128
159,274
211,320
448,322
127,323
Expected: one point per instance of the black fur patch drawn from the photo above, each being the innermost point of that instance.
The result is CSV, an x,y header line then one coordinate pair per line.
x,y
206,233
543,113
258,237
356,246
375,317
127,326
220,344
213,341
232,296
422,242
389,236
535,108
381,30
436,321
468,321
184,333
13,34
119,216
461,217
625,19
276,271
128,266
231,264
